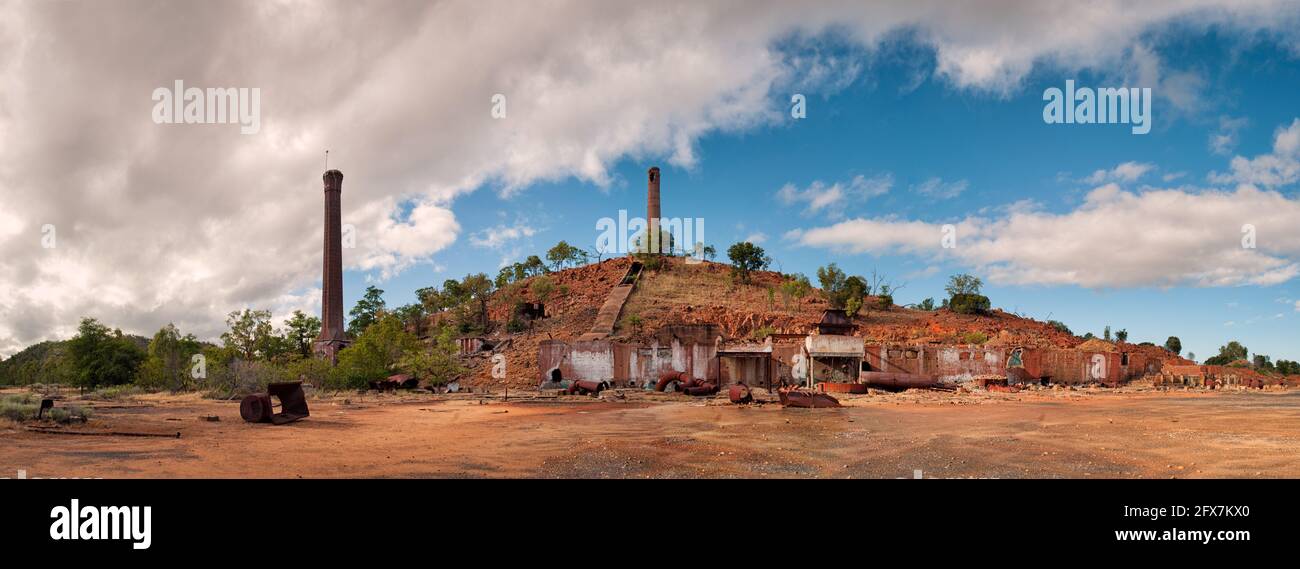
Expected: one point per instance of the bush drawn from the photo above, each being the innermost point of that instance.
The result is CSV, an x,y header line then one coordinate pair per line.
x,y
1060,326
885,301
969,303
69,414
17,408
115,392
976,338
763,332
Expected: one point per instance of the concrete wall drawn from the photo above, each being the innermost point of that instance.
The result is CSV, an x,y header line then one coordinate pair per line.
x,y
680,348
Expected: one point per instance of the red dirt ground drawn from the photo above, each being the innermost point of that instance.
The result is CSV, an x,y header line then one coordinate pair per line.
x,y
1039,434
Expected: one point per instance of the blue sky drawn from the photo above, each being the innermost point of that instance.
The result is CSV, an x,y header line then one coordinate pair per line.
x,y
885,123
920,113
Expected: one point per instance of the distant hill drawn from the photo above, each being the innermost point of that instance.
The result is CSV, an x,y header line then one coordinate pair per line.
x,y
44,363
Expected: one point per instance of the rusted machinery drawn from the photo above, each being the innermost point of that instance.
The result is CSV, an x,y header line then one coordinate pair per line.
x,y
258,408
831,387
899,381
739,394
699,387
807,399
584,387
397,381
671,380
683,382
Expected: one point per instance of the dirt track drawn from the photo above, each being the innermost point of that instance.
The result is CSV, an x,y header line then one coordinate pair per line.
x,y
1039,435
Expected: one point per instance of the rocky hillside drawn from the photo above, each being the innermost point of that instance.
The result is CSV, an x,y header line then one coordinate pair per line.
x,y
682,293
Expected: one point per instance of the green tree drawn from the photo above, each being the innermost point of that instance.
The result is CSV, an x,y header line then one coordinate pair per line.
x,y
561,254
301,332
375,353
963,284
1174,345
435,365
412,317
1105,334
251,335
100,356
366,311
855,287
1121,335
1261,362
709,252
796,287
167,361
533,266
1229,353
745,258
478,287
831,279
505,276
927,304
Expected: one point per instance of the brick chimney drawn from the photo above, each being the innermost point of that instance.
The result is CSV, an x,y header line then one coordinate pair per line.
x,y
332,336
652,211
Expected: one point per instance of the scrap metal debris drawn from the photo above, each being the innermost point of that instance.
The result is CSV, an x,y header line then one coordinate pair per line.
x,y
396,381
257,408
739,394
583,387
807,399
900,381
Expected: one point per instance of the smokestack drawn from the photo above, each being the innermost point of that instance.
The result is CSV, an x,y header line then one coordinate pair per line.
x,y
652,211
332,336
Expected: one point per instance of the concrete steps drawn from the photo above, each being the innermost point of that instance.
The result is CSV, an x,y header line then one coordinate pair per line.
x,y
607,317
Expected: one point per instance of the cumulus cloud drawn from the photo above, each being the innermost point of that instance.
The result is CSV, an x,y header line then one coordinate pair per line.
x,y
184,223
1278,168
499,236
1224,140
1158,238
831,198
936,188
1127,172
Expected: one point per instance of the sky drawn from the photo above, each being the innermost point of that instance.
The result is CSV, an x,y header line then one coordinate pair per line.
x,y
918,115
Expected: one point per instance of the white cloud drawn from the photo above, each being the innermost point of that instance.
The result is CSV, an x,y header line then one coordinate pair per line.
x,y
756,238
1157,238
185,223
819,196
1127,172
936,188
1279,168
499,236
1224,140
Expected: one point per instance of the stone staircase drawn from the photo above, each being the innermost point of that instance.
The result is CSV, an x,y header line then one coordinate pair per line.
x,y
608,315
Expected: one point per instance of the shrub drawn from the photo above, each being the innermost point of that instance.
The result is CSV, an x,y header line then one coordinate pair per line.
x,y
969,303
17,407
974,338
763,332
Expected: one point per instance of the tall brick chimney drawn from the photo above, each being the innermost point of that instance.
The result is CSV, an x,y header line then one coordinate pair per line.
x,y
332,336
652,211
